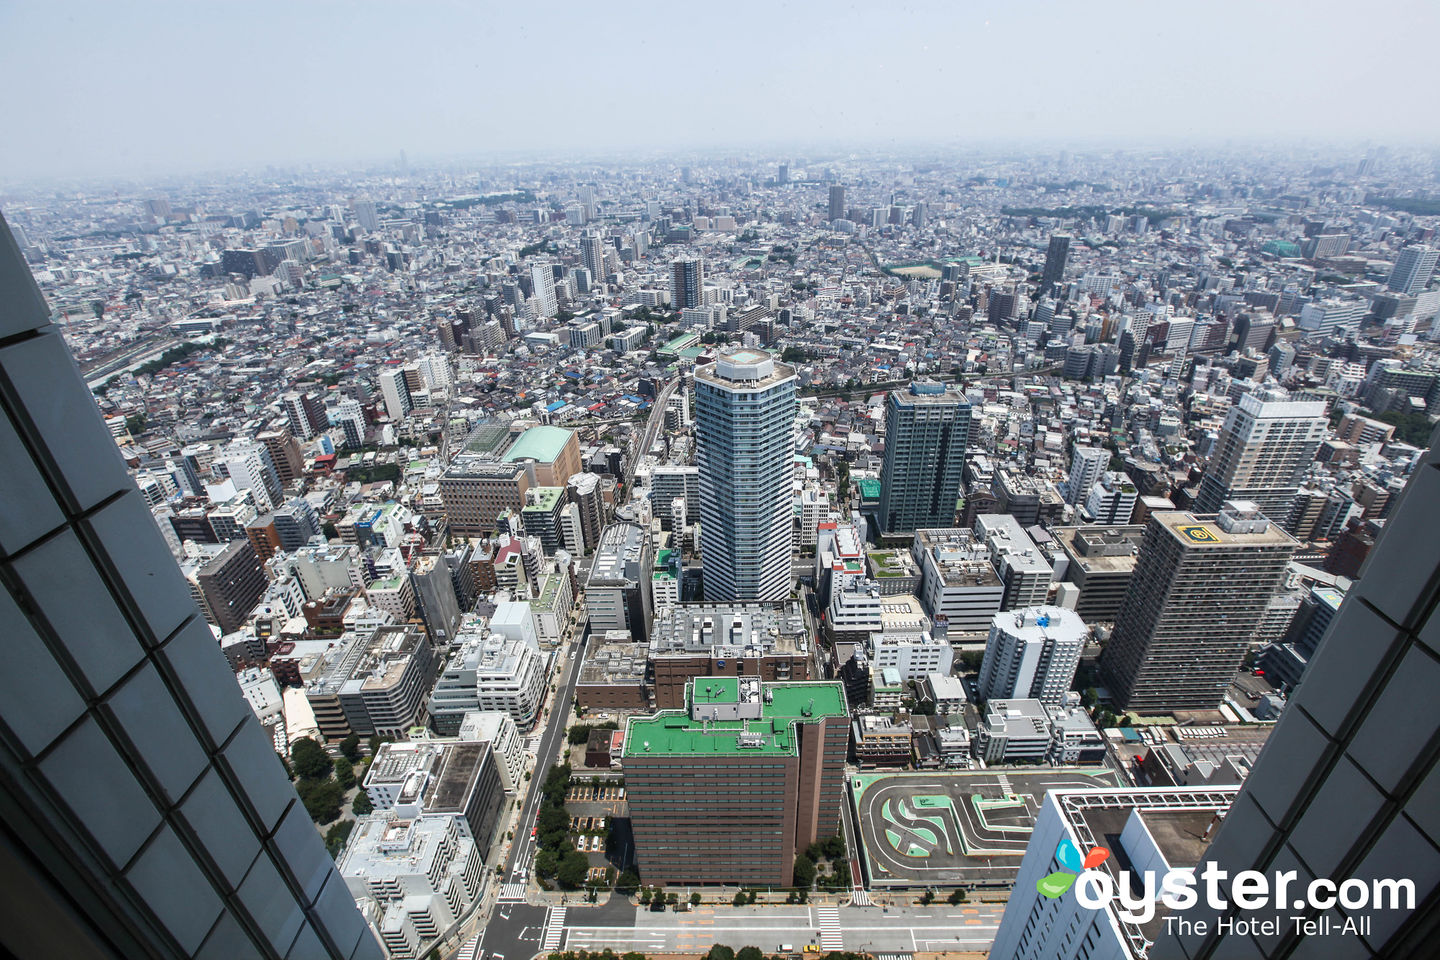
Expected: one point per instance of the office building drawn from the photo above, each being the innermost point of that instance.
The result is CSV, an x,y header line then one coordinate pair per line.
x,y
927,426
583,491
488,672
1342,789
592,257
414,877
249,467
499,732
733,786
1111,500
1413,268
837,202
541,517
959,587
1265,447
230,583
1285,662
1032,654
772,641
1086,466
474,491
1019,564
1144,828
542,277
1013,731
437,778
372,681
434,591
1099,561
306,414
669,483
396,393
617,594
146,811
1055,257
1201,586
687,284
352,421
745,409
915,654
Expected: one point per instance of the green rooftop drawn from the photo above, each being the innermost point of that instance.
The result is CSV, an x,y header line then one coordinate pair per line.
x,y
548,497
771,733
486,438
664,565
541,444
869,488
679,343
888,563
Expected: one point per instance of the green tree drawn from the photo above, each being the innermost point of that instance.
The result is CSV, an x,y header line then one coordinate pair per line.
x,y
361,805
929,896
350,748
628,881
344,773
546,863
310,759
97,307
695,899
135,423
573,867
749,953
321,798
957,896
804,872
720,952
336,836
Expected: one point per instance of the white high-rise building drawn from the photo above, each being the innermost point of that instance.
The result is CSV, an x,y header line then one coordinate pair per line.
x,y
436,371
542,275
250,468
745,412
1413,268
1032,654
1262,454
1159,829
396,393
352,421
1086,465
1112,499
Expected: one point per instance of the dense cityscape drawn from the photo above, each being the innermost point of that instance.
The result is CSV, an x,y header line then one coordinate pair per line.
x,y
775,551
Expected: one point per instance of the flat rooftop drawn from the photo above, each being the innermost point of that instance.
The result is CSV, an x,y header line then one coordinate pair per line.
x,y
1101,549
542,444
771,733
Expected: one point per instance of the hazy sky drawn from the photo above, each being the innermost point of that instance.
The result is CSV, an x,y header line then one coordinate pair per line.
x,y
127,87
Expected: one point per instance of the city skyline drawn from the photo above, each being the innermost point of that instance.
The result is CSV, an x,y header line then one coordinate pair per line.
x,y
855,525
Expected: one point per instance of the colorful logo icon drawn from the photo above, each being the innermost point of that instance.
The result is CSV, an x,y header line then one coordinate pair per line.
x,y
1198,534
1068,854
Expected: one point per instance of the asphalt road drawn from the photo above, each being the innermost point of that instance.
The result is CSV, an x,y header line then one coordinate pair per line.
x,y
515,929
893,929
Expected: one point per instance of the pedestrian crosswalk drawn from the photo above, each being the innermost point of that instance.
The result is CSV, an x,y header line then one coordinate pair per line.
x,y
554,929
860,897
828,919
1004,785
512,891
468,951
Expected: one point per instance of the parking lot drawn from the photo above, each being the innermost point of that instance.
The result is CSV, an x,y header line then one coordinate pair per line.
x,y
595,810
